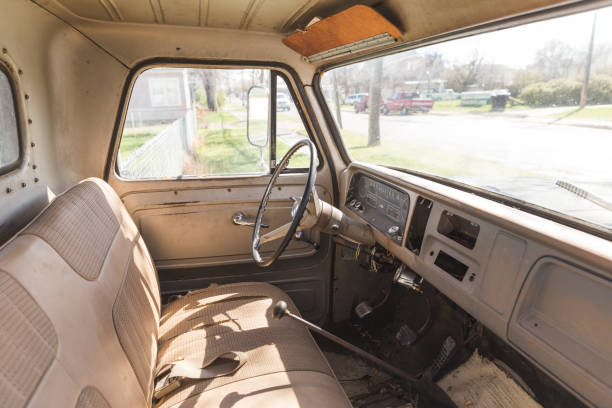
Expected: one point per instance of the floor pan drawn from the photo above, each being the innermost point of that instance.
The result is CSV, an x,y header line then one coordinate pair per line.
x,y
479,383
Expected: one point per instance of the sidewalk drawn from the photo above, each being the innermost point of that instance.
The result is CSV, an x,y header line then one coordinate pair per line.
x,y
545,116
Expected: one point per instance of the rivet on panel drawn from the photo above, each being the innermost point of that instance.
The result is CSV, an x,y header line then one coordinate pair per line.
x,y
23,185
36,179
32,144
34,167
229,190
4,50
20,71
27,96
29,121
8,190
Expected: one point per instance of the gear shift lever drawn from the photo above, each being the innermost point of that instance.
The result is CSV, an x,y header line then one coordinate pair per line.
x,y
280,311
429,394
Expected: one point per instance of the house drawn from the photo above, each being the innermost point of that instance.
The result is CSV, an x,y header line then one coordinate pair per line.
x,y
159,96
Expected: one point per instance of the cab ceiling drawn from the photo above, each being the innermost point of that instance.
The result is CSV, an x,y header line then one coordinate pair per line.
x,y
416,18
257,15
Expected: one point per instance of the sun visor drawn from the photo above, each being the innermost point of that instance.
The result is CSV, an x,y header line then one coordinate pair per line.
x,y
353,30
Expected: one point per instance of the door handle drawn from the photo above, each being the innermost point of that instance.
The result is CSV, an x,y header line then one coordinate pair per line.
x,y
240,219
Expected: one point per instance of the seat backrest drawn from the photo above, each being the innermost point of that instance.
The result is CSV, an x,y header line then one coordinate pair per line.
x,y
80,306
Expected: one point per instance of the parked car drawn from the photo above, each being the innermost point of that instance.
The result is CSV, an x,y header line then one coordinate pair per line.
x,y
352,98
283,104
405,102
361,103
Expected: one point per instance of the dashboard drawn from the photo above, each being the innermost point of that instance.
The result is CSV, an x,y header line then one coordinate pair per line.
x,y
382,205
544,288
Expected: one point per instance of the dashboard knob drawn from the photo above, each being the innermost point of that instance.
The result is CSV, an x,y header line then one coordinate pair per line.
x,y
393,230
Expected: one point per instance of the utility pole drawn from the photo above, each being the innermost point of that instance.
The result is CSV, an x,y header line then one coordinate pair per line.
x,y
374,100
587,68
337,99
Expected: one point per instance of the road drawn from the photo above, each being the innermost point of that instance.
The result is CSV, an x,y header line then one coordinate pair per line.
x,y
555,150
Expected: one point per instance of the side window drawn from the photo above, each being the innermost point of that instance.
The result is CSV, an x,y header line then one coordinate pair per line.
x,y
289,126
9,134
191,122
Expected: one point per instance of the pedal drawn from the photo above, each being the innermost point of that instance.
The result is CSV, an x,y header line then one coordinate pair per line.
x,y
363,309
445,354
405,335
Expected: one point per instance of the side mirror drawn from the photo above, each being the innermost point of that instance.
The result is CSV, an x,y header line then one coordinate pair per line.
x,y
258,116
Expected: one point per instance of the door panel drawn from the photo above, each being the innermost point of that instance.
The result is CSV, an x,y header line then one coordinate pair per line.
x,y
188,228
202,233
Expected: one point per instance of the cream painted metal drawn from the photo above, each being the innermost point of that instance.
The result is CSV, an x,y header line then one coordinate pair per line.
x,y
501,295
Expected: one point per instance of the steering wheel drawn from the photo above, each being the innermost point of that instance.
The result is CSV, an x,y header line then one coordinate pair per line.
x,y
309,200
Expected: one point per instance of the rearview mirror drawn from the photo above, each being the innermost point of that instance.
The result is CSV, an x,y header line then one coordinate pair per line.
x,y
258,116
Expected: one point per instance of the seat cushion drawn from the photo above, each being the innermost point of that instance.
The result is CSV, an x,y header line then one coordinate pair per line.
x,y
220,308
278,390
238,317
83,325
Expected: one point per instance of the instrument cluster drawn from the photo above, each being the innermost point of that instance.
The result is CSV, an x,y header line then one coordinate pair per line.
x,y
379,203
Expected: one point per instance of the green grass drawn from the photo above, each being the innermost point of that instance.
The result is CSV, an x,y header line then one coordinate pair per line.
x,y
299,160
425,158
594,113
217,117
133,138
227,151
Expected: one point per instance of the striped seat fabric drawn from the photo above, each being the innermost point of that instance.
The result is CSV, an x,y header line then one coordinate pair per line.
x,y
82,324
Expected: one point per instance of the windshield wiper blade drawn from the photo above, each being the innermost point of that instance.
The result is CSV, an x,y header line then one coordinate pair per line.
x,y
587,195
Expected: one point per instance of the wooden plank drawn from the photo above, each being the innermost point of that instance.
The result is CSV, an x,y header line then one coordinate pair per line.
x,y
353,24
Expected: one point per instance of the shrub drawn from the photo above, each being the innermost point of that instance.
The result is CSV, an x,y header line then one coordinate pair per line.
x,y
600,89
563,92
553,92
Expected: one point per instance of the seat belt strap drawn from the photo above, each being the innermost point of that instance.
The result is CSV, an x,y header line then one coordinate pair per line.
x,y
172,376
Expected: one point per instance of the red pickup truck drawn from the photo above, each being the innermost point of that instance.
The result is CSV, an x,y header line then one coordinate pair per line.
x,y
405,102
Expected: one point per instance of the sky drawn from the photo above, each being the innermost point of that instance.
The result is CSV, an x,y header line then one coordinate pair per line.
x,y
516,47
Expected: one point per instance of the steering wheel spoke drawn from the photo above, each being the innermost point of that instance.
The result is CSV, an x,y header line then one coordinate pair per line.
x,y
275,234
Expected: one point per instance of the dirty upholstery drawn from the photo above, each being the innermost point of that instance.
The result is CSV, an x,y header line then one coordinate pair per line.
x,y
83,324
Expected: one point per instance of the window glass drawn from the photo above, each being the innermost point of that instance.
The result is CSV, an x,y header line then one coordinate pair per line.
x,y
9,135
525,112
165,91
289,127
191,122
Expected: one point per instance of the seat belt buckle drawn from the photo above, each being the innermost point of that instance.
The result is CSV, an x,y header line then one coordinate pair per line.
x,y
166,386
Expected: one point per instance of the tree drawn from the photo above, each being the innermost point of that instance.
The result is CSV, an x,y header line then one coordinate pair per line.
x,y
374,100
209,79
461,76
554,60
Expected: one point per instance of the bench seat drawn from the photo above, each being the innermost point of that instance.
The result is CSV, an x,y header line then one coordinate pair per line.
x,y
83,325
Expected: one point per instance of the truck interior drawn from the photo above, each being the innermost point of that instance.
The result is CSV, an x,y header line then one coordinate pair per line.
x,y
427,180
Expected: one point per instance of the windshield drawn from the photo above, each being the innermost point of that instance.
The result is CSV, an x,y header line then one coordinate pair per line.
x,y
524,112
